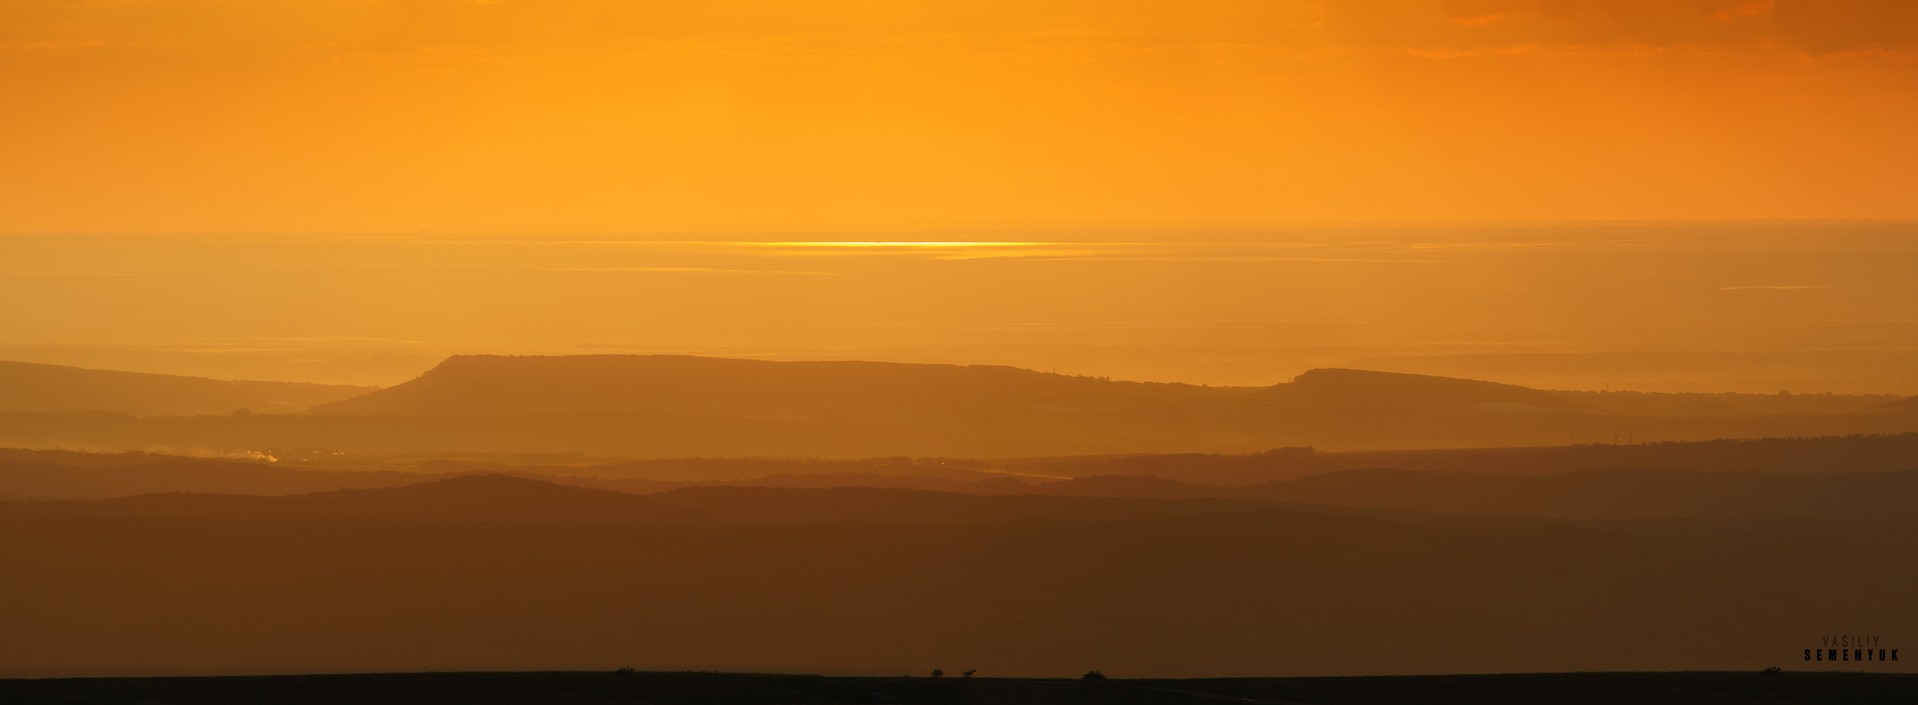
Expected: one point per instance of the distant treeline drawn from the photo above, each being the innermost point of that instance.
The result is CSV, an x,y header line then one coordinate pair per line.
x,y
1835,453
481,573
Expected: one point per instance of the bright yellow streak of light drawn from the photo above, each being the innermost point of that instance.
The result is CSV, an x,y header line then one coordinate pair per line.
x,y
921,244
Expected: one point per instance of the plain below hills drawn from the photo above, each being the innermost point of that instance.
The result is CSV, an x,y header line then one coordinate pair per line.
x,y
489,572
693,688
1592,494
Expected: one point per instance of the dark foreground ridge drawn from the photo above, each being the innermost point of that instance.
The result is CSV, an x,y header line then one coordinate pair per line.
x,y
1691,688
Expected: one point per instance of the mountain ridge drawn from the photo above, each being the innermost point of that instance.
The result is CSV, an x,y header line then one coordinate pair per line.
x,y
465,384
481,384
656,406
500,498
37,387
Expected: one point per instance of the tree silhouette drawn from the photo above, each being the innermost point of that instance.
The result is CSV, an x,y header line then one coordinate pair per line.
x,y
937,673
1093,676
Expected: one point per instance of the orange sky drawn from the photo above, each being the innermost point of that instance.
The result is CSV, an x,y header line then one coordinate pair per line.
x,y
1218,191
379,116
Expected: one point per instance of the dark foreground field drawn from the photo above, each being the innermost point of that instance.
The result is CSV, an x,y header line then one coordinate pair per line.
x,y
741,689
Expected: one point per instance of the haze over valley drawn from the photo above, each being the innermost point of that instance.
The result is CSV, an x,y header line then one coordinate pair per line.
x,y
672,406
482,514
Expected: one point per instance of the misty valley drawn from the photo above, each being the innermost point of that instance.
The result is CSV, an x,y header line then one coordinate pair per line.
x,y
582,514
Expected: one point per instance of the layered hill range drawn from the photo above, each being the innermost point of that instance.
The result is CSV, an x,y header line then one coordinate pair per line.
x,y
1843,477
1343,572
32,387
881,518
666,406
477,384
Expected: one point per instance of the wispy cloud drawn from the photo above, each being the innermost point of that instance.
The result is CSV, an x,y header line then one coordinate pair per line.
x,y
1773,287
1211,259
880,245
694,270
927,249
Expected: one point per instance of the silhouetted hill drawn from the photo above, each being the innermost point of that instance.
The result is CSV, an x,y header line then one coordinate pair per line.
x,y
987,485
1362,388
1814,455
31,387
1624,493
589,384
100,476
668,406
1818,454
1190,468
747,468
29,474
474,498
1128,486
490,384
1638,493
503,498
1710,405
1905,405
800,499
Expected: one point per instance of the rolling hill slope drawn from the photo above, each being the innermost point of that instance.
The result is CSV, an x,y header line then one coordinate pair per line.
x,y
517,500
675,406
589,384
31,387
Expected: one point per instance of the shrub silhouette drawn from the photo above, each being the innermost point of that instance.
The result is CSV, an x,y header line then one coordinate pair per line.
x,y
937,673
1093,676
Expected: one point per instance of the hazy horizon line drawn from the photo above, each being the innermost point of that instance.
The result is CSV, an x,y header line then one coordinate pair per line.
x,y
1063,227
